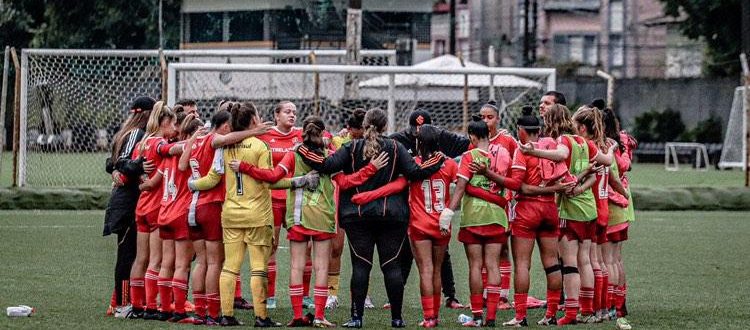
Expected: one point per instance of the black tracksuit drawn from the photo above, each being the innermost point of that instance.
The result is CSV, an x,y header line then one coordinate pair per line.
x,y
120,214
381,223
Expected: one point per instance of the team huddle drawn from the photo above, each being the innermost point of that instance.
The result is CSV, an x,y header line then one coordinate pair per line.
x,y
191,199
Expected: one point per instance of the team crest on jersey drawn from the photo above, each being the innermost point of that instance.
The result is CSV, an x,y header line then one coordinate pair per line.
x,y
295,140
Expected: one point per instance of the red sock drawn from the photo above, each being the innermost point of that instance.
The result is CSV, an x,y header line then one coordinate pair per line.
x,y
238,288
603,293
493,298
180,291
571,309
436,305
165,294
428,307
152,288
520,301
476,304
598,280
587,300
113,299
484,277
199,298
320,294
553,300
619,300
295,295
214,305
125,290
138,292
306,276
610,296
506,269
625,289
272,279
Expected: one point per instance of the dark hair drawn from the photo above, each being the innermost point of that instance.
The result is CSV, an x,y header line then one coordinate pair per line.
x,y
374,124
557,121
178,108
136,120
356,118
478,128
491,104
610,121
242,114
591,118
219,118
528,121
559,97
312,132
186,103
599,104
428,140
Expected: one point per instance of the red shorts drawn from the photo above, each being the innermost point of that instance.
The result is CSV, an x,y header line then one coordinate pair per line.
x,y
602,212
208,220
536,218
279,212
175,229
618,236
600,236
301,234
487,234
577,230
416,234
147,223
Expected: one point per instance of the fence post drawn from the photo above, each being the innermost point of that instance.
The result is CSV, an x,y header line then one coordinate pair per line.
x,y
316,84
746,107
491,63
164,76
171,84
4,103
465,126
391,103
17,167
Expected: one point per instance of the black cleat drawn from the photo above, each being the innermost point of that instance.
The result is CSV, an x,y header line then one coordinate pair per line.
x,y
353,323
229,321
241,303
136,313
266,323
489,324
164,316
151,314
398,323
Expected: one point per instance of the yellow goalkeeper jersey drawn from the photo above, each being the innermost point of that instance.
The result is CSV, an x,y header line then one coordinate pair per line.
x,y
248,201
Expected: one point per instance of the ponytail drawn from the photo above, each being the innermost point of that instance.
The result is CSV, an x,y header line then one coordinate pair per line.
x,y
312,134
161,111
374,123
591,118
189,125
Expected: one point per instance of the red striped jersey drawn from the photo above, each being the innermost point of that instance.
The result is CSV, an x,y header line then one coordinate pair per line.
x,y
280,144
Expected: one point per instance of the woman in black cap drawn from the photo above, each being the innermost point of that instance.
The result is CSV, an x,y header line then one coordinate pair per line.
x,y
120,214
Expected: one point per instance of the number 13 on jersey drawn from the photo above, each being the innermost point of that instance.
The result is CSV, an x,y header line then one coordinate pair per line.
x,y
434,195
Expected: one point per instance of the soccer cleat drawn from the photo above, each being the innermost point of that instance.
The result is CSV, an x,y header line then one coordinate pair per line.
x,y
368,302
473,323
181,318
532,302
623,324
270,303
136,313
229,321
428,323
547,321
301,322
241,303
323,323
586,319
308,303
353,323
164,316
199,320
387,305
504,306
514,322
453,303
151,314
489,324
110,310
613,314
211,322
567,321
266,323
398,323
332,302
123,311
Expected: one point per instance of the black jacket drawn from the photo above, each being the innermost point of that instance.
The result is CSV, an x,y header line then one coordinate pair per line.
x,y
451,144
121,207
349,159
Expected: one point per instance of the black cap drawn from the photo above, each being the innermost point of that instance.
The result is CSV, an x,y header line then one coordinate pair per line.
x,y
142,103
419,117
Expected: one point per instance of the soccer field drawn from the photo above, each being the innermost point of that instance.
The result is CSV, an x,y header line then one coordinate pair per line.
x,y
685,270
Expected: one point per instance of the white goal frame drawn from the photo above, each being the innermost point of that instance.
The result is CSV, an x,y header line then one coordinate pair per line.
x,y
729,134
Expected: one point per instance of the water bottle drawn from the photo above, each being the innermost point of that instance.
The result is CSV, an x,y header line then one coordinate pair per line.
x,y
463,318
18,311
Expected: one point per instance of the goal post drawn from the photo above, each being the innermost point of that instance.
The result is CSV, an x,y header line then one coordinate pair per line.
x,y
734,150
73,101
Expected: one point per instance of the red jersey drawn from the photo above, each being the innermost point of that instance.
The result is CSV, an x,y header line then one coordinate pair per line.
x,y
527,168
593,150
176,194
601,195
505,140
154,150
500,162
280,144
201,160
429,197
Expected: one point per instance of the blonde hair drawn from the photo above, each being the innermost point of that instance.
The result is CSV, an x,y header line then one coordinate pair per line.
x,y
160,113
591,118
374,124
557,121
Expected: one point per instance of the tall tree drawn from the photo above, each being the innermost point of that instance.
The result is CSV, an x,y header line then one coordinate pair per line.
x,y
718,23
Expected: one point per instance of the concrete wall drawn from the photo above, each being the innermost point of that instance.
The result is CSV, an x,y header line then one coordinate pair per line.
x,y
694,98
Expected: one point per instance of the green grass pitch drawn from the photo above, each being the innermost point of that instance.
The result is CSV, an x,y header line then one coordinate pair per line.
x,y
686,270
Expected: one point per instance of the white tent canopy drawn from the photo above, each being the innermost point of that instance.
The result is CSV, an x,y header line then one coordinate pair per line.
x,y
453,80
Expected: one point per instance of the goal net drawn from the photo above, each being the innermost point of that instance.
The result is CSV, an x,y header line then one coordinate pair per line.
x,y
73,101
733,153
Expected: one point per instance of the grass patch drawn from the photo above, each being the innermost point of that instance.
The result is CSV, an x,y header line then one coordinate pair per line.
x,y
685,270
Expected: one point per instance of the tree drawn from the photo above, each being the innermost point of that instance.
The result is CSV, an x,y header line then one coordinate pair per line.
x,y
718,23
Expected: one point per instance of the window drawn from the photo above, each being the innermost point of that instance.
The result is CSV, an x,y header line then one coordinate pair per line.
x,y
245,25
439,47
206,27
575,48
616,16
616,56
561,49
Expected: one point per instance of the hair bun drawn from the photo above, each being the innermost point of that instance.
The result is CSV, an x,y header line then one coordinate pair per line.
x,y
492,102
476,117
527,110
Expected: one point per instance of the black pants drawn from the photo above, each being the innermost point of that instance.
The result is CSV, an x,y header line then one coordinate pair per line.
x,y
390,239
446,271
126,250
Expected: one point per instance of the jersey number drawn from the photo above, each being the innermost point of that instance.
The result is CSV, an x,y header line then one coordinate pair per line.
x,y
437,186
604,174
170,189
